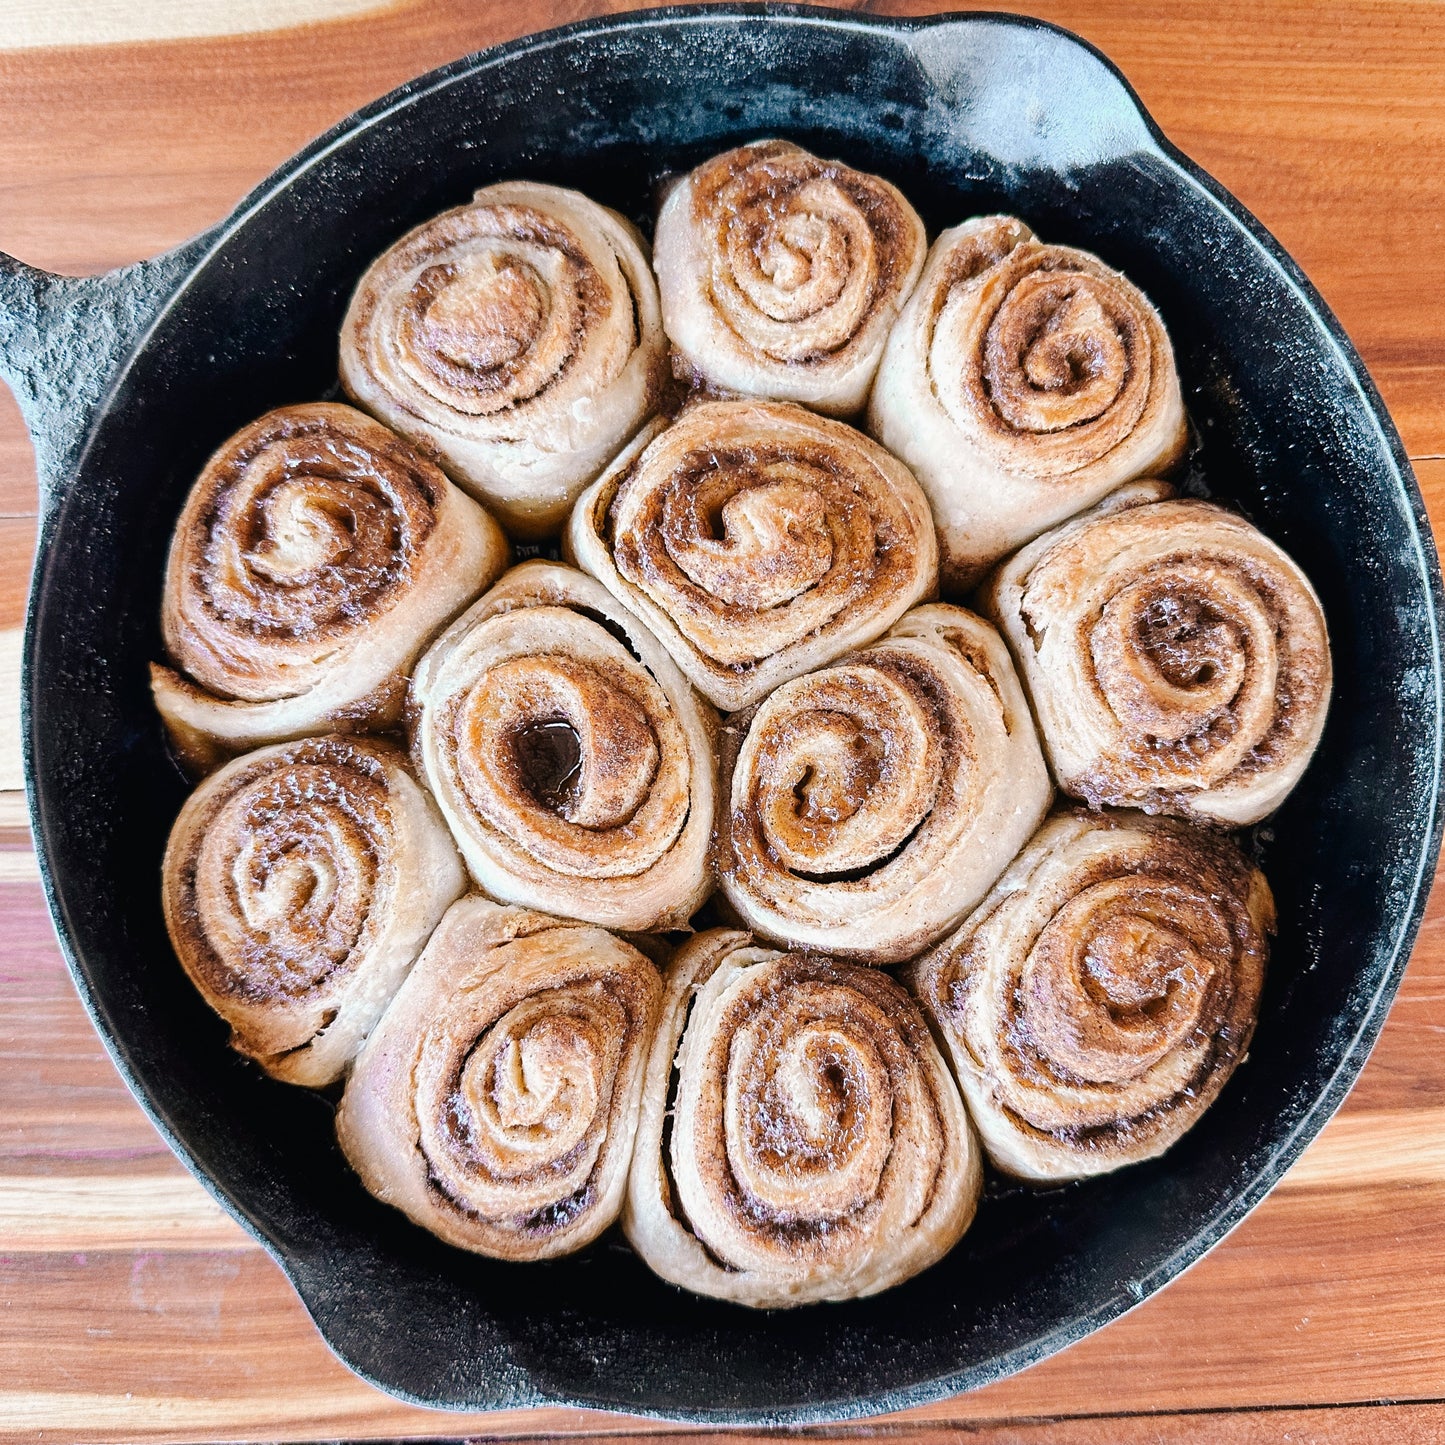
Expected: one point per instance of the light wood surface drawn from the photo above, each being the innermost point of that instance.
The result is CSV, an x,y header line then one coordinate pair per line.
x,y
27,23
132,1308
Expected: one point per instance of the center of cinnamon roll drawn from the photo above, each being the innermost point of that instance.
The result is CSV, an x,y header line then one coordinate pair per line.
x,y
488,312
1121,975
285,878
841,770
845,767
750,532
549,758
532,1085
1185,638
794,260
313,532
797,263
304,531
526,716
497,324
805,247
274,893
511,1107
1056,355
1177,649
816,1103
808,1106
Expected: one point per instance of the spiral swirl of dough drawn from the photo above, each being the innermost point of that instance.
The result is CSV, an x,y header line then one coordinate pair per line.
x,y
1177,659
758,541
316,555
300,883
1022,383
496,1103
874,802
781,273
520,337
1100,997
800,1138
576,770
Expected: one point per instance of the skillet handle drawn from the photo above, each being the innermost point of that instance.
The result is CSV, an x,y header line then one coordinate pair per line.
x,y
63,340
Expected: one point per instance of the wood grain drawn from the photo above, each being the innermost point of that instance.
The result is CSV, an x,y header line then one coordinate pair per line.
x,y
26,23
132,1307
10,640
1400,1424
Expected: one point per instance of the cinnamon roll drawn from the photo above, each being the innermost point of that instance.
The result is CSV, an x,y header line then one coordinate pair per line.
x,y
571,759
496,1103
519,337
874,802
1176,658
800,1137
300,883
1022,383
315,556
1100,997
781,274
758,541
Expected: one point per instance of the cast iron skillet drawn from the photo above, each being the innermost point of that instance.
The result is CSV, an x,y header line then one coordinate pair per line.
x,y
130,380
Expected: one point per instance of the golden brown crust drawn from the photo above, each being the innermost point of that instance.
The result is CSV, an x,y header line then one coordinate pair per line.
x,y
1177,659
1098,1000
781,273
496,1103
758,541
300,883
315,556
807,1143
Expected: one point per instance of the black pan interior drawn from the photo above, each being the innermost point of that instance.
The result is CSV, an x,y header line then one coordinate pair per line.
x,y
968,116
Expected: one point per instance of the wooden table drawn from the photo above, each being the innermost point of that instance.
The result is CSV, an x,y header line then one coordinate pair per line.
x,y
131,1307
